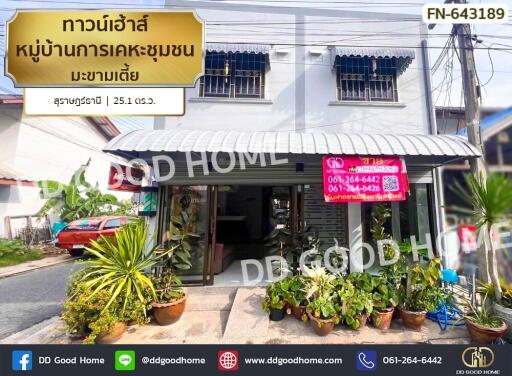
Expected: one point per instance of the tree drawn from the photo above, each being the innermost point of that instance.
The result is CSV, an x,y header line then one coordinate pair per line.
x,y
491,200
77,199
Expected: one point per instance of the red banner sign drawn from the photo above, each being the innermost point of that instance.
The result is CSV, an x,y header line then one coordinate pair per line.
x,y
364,179
124,178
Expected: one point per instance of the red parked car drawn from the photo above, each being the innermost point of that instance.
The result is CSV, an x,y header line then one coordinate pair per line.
x,y
78,234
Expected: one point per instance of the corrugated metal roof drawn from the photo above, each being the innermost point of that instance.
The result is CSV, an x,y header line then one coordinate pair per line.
x,y
10,174
374,52
238,48
404,56
290,143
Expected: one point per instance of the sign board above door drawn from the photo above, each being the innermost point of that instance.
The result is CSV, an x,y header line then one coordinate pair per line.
x,y
364,179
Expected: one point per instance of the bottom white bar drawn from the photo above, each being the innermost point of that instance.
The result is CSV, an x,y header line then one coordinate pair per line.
x,y
105,101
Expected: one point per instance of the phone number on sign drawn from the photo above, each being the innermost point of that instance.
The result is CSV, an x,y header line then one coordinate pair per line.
x,y
412,360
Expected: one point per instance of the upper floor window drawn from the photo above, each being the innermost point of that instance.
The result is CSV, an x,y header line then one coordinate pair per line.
x,y
369,75
366,79
234,74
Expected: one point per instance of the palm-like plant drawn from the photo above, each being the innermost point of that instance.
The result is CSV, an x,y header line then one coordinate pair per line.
x,y
120,265
491,200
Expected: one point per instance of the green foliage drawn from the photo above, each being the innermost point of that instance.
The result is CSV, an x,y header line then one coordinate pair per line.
x,y
323,308
182,241
353,303
423,289
13,252
506,288
384,294
275,297
79,199
85,314
491,198
120,265
293,289
482,315
319,283
361,281
167,285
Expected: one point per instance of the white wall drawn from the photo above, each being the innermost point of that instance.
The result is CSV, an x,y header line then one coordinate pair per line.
x,y
41,148
300,78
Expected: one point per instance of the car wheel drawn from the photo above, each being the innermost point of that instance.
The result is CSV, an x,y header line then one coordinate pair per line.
x,y
76,252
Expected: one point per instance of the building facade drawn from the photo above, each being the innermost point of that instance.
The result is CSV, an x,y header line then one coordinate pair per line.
x,y
283,87
44,148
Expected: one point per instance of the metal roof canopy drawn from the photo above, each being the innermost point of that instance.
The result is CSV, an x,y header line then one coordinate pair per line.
x,y
403,56
241,48
423,149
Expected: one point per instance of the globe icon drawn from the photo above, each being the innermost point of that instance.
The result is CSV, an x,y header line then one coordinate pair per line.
x,y
228,360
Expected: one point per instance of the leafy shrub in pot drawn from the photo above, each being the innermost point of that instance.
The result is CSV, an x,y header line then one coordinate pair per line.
x,y
503,309
354,305
323,315
385,298
295,296
274,302
85,314
423,293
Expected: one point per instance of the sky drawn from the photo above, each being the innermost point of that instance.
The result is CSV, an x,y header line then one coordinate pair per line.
x,y
494,67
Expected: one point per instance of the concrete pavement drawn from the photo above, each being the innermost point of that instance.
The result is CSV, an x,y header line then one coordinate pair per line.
x,y
30,298
223,316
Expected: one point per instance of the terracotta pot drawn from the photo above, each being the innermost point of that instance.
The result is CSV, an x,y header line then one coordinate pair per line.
x,y
321,327
483,334
381,319
298,312
505,314
413,320
113,336
276,314
362,321
169,313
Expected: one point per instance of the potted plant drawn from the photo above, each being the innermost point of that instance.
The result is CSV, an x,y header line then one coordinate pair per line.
x,y
322,315
120,265
502,309
85,315
385,299
354,305
295,296
274,302
171,299
483,326
423,293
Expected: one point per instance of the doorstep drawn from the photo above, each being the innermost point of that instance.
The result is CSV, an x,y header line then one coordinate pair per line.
x,y
8,271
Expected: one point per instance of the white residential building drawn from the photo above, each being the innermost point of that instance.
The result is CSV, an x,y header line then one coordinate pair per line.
x,y
301,83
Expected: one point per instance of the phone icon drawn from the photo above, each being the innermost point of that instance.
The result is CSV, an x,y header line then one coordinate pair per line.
x,y
366,360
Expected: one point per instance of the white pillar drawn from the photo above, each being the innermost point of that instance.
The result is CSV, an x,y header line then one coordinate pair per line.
x,y
355,237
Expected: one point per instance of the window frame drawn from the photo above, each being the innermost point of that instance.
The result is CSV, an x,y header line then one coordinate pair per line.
x,y
366,70
236,61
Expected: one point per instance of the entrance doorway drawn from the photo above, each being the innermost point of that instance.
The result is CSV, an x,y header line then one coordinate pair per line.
x,y
245,216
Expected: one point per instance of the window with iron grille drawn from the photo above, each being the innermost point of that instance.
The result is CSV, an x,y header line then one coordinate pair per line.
x,y
233,75
366,79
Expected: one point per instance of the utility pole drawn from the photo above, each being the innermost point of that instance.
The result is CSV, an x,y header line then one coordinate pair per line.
x,y
472,115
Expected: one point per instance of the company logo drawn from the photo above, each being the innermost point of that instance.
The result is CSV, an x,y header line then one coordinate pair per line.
x,y
366,360
227,360
335,162
125,360
478,357
22,360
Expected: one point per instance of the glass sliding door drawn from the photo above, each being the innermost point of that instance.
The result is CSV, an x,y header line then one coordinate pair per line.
x,y
185,220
